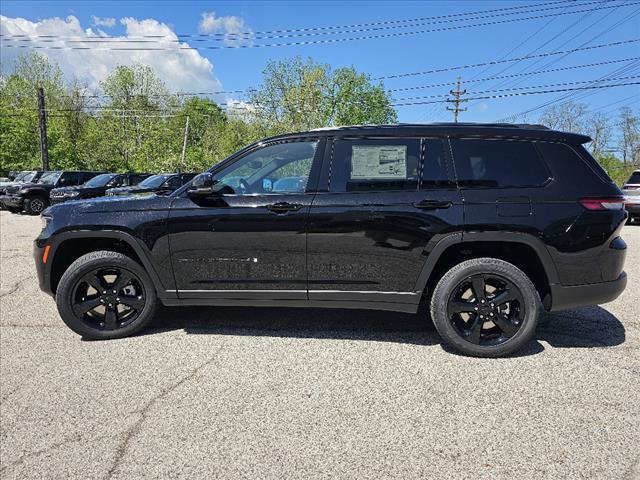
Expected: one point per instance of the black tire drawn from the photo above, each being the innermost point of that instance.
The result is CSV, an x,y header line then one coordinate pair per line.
x,y
74,294
35,205
466,332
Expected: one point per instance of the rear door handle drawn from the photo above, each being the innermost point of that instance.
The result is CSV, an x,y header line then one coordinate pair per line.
x,y
432,204
283,207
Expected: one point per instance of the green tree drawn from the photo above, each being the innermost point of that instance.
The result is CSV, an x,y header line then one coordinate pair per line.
x,y
19,133
299,94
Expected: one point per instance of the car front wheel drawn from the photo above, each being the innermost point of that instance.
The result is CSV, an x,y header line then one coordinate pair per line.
x,y
35,205
105,295
485,307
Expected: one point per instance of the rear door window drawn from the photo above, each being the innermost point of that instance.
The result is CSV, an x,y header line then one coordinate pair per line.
x,y
497,163
375,165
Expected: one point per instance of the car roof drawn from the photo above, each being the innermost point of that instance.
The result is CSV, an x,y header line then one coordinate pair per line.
x,y
504,130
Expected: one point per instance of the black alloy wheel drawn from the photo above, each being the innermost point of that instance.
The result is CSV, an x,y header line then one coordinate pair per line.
x,y
105,295
35,205
108,298
486,309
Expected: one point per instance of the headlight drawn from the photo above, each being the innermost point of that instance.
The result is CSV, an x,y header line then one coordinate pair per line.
x,y
46,220
71,194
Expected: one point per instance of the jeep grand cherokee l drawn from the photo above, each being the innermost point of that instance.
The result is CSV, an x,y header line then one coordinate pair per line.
x,y
489,224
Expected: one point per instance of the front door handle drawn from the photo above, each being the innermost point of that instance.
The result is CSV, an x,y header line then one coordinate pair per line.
x,y
432,204
283,207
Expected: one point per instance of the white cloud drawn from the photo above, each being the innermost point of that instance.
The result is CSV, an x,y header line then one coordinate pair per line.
x,y
103,21
181,68
239,109
236,33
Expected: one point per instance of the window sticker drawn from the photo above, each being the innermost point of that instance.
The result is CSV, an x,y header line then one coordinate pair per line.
x,y
385,161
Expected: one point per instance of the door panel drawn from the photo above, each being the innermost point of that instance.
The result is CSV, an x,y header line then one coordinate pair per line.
x,y
249,239
366,242
238,243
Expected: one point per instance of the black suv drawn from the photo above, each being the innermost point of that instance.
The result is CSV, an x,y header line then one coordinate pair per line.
x,y
489,224
27,176
161,184
96,187
34,197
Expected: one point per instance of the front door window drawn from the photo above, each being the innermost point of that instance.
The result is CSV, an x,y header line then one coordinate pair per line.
x,y
278,169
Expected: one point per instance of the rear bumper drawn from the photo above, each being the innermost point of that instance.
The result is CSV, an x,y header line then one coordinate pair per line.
x,y
565,298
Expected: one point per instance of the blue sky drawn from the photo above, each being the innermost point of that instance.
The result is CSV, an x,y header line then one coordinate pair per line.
x,y
240,68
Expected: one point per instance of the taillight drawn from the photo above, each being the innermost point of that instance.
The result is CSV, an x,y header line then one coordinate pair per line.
x,y
603,203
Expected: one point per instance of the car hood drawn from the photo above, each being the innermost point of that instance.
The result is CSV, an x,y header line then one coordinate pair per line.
x,y
114,204
132,190
19,186
77,188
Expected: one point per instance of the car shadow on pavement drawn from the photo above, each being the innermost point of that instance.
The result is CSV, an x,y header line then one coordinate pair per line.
x,y
587,327
371,325
582,328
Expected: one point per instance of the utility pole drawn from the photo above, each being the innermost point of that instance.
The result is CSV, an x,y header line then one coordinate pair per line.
x,y
457,100
42,114
184,144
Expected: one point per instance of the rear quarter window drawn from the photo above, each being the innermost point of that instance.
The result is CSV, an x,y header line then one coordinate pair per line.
x,y
498,163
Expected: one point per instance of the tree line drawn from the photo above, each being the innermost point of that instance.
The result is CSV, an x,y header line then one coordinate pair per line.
x,y
134,123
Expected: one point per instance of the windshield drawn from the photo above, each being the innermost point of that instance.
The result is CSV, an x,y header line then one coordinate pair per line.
x,y
100,180
27,177
21,176
50,178
153,181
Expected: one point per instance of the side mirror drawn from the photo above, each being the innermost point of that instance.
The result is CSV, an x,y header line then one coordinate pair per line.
x,y
202,185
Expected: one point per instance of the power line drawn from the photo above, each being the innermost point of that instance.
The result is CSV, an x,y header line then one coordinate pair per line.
x,y
527,87
309,42
309,30
494,62
487,97
560,69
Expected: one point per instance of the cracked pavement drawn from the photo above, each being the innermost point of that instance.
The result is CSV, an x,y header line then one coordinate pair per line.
x,y
281,393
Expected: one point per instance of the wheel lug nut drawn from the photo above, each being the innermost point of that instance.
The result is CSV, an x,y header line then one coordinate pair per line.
x,y
476,308
481,316
115,291
104,292
110,305
481,301
491,314
117,299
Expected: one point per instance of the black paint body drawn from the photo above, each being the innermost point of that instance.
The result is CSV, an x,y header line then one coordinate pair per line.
x,y
361,249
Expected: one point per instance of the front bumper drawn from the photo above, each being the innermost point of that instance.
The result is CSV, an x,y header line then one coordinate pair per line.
x,y
565,298
42,269
12,201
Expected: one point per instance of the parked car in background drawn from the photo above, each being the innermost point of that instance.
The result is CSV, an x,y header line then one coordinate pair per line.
x,y
96,187
488,225
633,184
632,205
34,197
161,184
27,176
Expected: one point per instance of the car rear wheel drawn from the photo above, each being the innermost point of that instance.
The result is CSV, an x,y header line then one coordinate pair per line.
x,y
105,295
485,307
35,205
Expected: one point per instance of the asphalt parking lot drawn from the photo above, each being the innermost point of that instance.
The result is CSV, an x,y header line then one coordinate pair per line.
x,y
273,393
